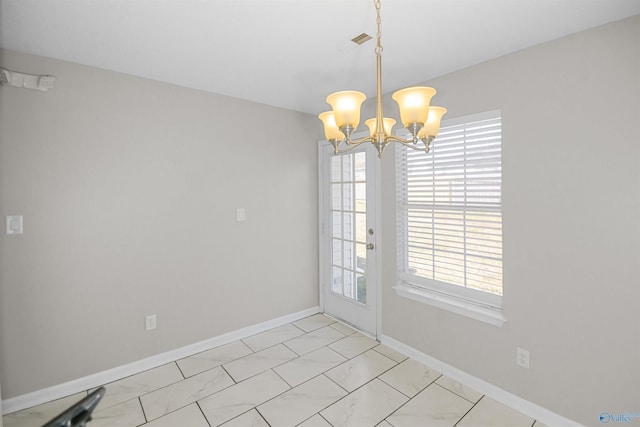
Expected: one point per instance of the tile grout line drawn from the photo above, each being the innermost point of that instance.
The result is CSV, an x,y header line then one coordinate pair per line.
x,y
410,398
404,394
328,422
315,349
144,414
467,413
331,379
184,377
227,372
362,352
291,387
203,414
262,416
242,340
457,394
299,328
378,351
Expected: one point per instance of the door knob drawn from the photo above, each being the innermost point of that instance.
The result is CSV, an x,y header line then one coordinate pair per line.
x,y
370,246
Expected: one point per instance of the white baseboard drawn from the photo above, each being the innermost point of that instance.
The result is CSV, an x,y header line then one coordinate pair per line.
x,y
519,404
83,384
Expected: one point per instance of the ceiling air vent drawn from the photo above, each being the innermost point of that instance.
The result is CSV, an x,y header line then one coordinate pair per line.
x,y
364,37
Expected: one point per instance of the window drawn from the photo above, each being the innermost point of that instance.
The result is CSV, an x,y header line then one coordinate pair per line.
x,y
449,217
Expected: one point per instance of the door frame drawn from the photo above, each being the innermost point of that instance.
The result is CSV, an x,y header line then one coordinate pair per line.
x,y
324,202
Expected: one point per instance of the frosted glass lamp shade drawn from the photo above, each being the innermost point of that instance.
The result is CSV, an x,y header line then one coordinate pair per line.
x,y
346,107
432,127
413,103
331,130
387,124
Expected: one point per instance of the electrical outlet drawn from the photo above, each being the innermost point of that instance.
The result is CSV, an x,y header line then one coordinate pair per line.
x,y
522,358
150,322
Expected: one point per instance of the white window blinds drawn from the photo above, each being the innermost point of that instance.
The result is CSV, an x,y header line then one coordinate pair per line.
x,y
449,210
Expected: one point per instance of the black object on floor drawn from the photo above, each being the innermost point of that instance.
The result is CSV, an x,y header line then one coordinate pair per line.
x,y
79,414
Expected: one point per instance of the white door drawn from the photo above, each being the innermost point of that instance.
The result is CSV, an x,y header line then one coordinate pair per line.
x,y
348,235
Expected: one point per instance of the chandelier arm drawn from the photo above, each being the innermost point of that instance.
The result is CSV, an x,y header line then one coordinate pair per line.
x,y
416,147
360,140
351,144
402,140
412,143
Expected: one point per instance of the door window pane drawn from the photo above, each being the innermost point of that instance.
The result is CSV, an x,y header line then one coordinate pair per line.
x,y
336,224
347,167
361,257
361,197
360,166
361,288
347,232
347,196
336,196
347,288
337,252
361,227
336,169
336,285
348,256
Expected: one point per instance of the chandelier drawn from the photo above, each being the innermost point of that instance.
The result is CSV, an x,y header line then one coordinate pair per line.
x,y
421,119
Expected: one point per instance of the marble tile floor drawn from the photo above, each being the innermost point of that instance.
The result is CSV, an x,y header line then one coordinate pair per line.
x,y
315,372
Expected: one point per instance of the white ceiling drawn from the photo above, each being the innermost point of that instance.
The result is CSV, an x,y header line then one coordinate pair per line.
x,y
290,53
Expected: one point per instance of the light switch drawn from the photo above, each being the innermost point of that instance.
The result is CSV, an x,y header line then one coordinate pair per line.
x,y
240,215
14,224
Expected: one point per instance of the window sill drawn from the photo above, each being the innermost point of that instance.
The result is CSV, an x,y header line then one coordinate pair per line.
x,y
463,307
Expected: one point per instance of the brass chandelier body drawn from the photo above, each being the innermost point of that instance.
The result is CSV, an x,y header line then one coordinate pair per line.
x,y
421,119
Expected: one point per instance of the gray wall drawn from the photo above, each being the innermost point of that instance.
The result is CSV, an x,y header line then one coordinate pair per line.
x,y
129,190
571,188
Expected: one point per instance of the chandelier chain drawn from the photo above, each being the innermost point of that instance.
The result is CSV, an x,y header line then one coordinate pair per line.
x,y
379,23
